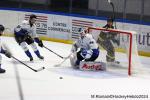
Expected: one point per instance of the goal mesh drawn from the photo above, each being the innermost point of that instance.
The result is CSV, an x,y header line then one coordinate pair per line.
x,y
125,52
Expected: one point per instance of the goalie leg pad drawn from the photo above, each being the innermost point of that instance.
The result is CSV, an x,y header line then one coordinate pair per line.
x,y
73,59
92,66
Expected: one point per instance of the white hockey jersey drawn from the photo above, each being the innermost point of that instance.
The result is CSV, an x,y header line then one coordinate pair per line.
x,y
32,30
87,42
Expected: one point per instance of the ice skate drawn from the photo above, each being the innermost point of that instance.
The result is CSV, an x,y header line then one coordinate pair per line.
x,y
113,63
41,57
31,58
2,70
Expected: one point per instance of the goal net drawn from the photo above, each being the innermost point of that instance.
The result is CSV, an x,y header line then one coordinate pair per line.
x,y
117,48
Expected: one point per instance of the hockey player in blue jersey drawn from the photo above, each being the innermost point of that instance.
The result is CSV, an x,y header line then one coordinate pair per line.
x,y
25,33
2,50
85,48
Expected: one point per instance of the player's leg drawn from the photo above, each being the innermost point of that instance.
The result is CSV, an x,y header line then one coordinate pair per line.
x,y
26,50
91,65
108,46
34,47
21,42
79,57
1,69
110,57
75,59
36,51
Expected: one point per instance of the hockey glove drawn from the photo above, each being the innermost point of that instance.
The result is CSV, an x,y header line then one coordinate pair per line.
x,y
8,54
40,43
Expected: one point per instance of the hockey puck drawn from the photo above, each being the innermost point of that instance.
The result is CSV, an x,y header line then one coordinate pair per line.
x,y
60,77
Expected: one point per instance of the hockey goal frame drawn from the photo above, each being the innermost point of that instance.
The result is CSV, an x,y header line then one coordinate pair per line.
x,y
130,33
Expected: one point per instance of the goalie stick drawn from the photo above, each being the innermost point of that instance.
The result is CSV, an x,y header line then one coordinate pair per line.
x,y
57,65
113,8
35,70
65,58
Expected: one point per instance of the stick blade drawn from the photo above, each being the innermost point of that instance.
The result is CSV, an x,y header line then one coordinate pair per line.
x,y
57,65
40,69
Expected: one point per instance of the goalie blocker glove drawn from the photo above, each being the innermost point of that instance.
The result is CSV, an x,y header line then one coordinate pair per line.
x,y
40,43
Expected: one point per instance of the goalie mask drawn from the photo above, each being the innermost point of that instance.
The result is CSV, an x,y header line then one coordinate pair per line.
x,y
83,31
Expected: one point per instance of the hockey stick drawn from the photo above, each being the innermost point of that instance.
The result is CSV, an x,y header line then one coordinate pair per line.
x,y
53,52
113,8
65,58
40,69
57,65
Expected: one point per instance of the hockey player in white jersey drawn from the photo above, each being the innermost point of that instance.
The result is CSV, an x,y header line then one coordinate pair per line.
x,y
25,33
88,49
3,50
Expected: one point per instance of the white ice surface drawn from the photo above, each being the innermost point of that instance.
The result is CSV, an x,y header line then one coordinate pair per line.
x,y
75,85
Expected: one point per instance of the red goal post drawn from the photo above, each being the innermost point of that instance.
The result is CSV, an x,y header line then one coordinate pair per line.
x,y
131,47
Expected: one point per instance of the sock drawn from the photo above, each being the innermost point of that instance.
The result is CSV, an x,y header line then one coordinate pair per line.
x,y
37,53
28,54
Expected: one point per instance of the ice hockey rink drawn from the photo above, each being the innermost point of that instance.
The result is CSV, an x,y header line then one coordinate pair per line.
x,y
74,85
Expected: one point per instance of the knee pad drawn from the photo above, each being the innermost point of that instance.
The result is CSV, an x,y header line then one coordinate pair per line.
x,y
34,47
24,46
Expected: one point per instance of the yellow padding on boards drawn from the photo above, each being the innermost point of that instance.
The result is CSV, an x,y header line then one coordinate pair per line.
x,y
141,53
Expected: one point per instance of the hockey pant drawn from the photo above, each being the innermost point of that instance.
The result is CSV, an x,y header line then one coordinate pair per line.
x,y
19,39
80,58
